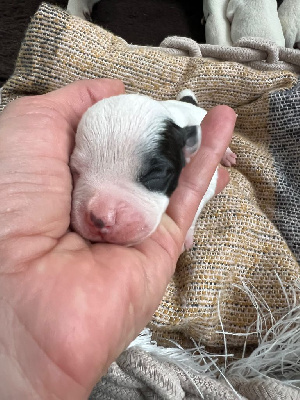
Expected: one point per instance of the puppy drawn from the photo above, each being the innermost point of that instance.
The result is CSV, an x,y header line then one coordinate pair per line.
x,y
255,18
289,15
81,8
217,26
129,152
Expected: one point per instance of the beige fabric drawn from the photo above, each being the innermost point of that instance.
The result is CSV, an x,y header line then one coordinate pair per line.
x,y
238,237
139,375
265,389
257,53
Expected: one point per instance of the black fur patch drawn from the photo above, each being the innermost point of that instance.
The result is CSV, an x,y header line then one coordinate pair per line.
x,y
161,168
189,99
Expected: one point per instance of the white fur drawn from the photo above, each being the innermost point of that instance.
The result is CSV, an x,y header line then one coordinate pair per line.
x,y
186,93
209,194
111,137
289,15
81,8
255,18
114,137
217,26
184,114
106,156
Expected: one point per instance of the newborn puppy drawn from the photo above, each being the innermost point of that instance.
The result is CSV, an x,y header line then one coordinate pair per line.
x,y
128,155
217,26
289,15
81,8
255,18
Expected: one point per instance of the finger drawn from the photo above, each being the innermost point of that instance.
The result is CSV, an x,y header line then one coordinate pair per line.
x,y
217,128
55,115
74,99
71,101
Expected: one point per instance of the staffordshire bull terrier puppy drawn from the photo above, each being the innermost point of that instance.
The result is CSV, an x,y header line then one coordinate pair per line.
x,y
81,8
128,156
289,15
217,26
255,18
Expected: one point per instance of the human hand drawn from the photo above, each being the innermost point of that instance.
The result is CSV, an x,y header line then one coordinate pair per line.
x,y
69,308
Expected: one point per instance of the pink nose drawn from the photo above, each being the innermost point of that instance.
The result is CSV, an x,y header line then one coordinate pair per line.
x,y
102,222
115,221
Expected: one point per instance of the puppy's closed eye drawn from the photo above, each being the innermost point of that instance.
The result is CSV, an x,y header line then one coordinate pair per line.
x,y
158,178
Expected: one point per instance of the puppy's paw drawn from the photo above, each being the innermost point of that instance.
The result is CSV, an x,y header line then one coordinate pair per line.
x,y
229,158
87,15
297,45
189,239
83,14
80,9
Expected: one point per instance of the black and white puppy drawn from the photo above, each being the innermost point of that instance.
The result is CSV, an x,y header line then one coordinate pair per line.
x,y
129,152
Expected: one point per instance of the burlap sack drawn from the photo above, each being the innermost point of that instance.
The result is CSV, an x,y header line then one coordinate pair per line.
x,y
249,234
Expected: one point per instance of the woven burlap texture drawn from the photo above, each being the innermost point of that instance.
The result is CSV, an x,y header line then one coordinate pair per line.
x,y
236,240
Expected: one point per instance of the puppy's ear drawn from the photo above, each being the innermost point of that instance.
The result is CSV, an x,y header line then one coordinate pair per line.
x,y
192,141
179,144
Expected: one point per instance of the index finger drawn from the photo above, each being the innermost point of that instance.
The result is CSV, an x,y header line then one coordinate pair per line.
x,y
217,128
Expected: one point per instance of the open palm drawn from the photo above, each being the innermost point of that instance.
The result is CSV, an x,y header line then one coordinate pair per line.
x,y
68,308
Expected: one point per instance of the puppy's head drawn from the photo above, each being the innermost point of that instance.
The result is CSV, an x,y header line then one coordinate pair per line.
x,y
126,163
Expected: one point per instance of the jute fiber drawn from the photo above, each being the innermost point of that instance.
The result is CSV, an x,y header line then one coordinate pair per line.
x,y
249,234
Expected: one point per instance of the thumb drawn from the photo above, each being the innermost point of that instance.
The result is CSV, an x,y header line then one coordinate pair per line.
x,y
75,98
